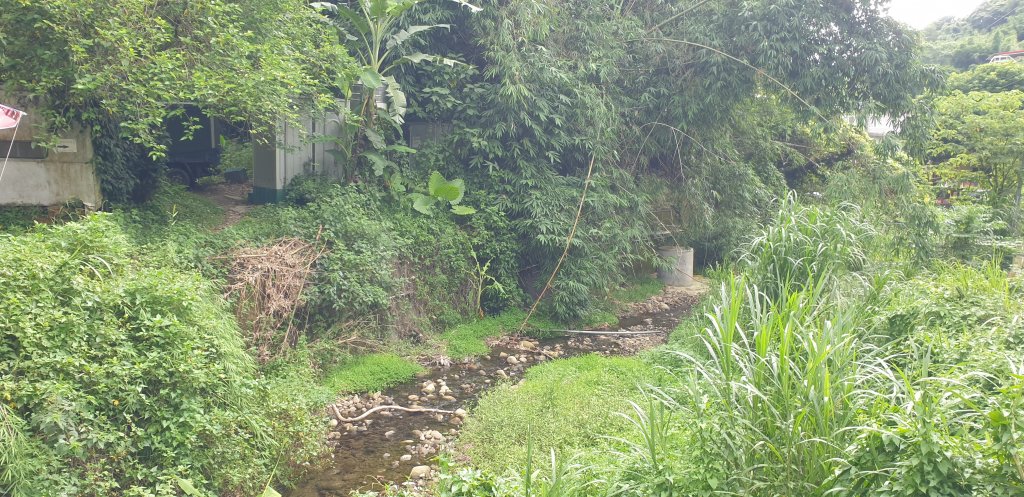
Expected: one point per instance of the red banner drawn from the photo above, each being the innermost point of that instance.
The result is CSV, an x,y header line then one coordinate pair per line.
x,y
9,117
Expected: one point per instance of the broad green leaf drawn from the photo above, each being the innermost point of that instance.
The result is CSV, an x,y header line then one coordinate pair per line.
x,y
189,489
344,85
462,210
370,78
379,162
459,185
397,182
435,182
423,203
452,191
398,102
375,139
404,35
448,192
398,7
379,8
355,18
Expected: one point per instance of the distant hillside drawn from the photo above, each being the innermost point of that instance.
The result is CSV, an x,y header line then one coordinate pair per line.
x,y
995,26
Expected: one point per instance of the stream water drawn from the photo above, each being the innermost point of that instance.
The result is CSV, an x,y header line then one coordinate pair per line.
x,y
392,446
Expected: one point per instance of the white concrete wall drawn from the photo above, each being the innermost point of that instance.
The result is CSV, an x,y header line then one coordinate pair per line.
x,y
289,156
329,164
296,150
65,174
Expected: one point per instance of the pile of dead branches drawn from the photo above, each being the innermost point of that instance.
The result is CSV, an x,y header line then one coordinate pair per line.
x,y
266,284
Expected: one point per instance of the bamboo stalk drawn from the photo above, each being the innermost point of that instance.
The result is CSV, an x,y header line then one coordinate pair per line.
x,y
568,244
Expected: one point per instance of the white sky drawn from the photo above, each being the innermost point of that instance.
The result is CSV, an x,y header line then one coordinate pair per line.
x,y
920,13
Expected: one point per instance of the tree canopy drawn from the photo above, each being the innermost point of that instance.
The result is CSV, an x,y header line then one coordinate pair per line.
x,y
656,91
978,138
249,61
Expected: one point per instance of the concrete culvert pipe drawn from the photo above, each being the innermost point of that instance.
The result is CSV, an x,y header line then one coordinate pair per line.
x,y
680,269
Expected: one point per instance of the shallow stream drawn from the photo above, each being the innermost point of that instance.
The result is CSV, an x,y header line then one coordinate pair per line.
x,y
392,446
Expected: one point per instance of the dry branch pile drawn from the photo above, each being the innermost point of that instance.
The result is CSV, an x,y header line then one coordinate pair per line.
x,y
267,284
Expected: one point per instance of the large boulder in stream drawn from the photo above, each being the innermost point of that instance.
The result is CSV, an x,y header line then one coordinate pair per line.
x,y
419,472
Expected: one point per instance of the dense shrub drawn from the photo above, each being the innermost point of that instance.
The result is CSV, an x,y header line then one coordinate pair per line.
x,y
124,376
383,266
19,218
173,228
125,172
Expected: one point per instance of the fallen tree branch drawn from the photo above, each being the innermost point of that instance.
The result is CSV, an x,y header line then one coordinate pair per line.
x,y
382,408
611,332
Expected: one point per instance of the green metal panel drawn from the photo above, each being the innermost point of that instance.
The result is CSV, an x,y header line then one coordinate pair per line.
x,y
263,195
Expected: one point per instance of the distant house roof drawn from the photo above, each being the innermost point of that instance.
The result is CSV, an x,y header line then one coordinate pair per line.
x,y
876,127
879,127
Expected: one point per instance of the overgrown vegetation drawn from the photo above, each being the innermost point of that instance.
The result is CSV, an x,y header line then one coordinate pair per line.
x,y
19,218
470,339
527,113
863,338
995,26
564,405
122,360
121,376
828,364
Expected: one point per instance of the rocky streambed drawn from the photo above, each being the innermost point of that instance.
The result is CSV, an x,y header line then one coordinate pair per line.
x,y
398,446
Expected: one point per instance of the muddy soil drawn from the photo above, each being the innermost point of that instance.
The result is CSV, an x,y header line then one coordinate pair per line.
x,y
394,447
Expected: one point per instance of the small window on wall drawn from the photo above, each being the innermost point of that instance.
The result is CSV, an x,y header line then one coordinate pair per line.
x,y
23,149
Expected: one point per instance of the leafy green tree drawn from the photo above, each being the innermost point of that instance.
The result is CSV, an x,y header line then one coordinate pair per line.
x,y
978,138
377,38
661,94
249,61
375,33
992,78
995,26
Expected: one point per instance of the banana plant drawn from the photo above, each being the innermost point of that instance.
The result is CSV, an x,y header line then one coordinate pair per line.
x,y
372,27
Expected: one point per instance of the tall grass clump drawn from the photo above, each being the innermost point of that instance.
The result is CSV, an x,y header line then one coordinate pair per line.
x,y
18,456
805,245
787,377
817,374
783,366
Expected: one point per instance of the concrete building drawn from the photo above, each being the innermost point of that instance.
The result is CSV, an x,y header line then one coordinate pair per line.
x,y
47,176
39,176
